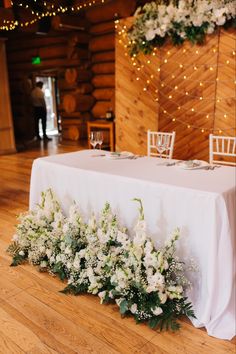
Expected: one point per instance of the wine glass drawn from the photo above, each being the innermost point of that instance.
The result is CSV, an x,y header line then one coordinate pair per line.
x,y
100,139
93,139
161,144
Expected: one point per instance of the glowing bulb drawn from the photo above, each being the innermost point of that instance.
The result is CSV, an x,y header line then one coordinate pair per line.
x,y
202,130
207,116
211,68
148,81
170,97
173,76
137,78
165,112
176,87
220,131
197,52
148,62
201,98
186,93
192,109
144,89
165,61
201,84
159,69
179,108
227,62
195,68
225,115
189,126
173,120
185,77
181,65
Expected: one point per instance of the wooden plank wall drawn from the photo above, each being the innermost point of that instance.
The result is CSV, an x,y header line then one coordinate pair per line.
x,y
7,142
196,88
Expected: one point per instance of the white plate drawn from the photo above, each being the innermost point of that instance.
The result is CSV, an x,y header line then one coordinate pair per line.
x,y
119,155
192,164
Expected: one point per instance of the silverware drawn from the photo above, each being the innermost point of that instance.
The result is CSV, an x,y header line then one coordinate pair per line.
x,y
173,163
101,155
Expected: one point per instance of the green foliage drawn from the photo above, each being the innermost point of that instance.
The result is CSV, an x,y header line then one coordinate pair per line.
x,y
17,260
75,290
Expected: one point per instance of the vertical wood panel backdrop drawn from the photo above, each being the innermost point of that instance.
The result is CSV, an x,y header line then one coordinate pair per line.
x,y
7,142
195,87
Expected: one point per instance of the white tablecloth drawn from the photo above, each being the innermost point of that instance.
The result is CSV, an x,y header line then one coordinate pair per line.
x,y
200,202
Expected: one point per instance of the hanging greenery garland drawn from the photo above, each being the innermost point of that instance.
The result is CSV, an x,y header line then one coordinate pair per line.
x,y
179,20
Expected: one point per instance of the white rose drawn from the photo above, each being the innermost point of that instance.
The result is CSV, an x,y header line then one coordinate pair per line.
x,y
157,311
22,253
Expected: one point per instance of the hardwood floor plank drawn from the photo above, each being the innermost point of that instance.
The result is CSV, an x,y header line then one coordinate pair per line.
x,y
7,346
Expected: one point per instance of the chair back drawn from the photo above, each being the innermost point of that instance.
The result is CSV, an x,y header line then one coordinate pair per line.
x,y
222,146
168,140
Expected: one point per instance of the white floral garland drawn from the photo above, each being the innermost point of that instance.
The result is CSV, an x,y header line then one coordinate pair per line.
x,y
180,20
99,257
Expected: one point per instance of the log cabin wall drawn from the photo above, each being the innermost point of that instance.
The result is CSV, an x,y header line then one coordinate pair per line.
x,y
7,141
102,49
83,62
195,89
62,52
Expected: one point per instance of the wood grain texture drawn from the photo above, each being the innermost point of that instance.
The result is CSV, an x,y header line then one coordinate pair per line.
x,y
136,111
36,318
195,89
7,140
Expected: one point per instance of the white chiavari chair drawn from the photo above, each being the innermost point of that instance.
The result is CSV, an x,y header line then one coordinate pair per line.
x,y
167,138
222,146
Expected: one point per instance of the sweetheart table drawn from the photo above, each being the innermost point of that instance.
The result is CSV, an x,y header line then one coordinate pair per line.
x,y
200,202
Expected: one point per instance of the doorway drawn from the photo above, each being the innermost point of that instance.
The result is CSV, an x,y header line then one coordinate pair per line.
x,y
51,98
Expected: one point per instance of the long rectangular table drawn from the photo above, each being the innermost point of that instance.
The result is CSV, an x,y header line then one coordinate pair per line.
x,y
200,202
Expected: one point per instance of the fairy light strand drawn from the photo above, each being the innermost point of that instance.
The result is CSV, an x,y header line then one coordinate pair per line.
x,y
140,71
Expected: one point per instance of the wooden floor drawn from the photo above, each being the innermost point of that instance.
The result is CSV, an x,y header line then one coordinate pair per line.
x,y
36,318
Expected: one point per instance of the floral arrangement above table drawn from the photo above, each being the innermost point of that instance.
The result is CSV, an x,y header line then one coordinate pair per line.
x,y
99,257
180,20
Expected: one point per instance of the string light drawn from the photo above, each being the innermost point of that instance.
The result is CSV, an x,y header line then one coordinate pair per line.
x,y
50,11
178,89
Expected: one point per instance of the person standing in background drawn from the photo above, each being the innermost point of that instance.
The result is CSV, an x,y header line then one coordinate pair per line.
x,y
40,110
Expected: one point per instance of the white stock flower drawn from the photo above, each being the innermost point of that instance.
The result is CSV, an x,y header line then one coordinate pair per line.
x,y
22,253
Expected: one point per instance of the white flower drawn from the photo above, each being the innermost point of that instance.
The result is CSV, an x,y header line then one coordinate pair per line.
x,y
22,253
15,238
162,297
43,264
150,35
134,308
102,295
157,311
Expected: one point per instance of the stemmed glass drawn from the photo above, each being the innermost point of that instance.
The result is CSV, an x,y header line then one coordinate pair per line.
x,y
100,139
161,144
93,139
